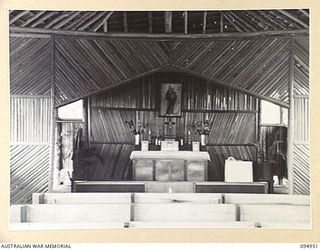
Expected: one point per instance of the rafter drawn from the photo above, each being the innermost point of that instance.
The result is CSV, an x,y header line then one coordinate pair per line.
x,y
30,20
93,20
103,22
77,21
226,16
304,13
292,17
54,21
76,27
21,14
42,19
66,20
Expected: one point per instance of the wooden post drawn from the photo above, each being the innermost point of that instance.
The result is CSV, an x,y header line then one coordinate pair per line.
x,y
291,119
53,120
105,26
221,22
125,22
186,22
168,21
150,21
89,120
204,22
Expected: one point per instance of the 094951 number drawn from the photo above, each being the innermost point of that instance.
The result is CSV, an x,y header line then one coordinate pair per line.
x,y
309,246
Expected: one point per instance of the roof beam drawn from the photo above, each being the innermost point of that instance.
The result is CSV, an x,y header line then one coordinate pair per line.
x,y
165,37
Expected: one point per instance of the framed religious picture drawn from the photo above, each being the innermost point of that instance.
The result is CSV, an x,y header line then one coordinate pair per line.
x,y
170,102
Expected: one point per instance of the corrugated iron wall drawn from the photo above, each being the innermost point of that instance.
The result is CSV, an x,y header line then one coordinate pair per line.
x,y
30,116
301,132
232,113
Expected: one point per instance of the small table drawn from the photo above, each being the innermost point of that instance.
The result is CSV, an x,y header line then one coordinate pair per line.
x,y
169,165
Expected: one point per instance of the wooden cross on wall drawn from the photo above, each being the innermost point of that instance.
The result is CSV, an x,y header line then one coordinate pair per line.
x,y
169,130
169,123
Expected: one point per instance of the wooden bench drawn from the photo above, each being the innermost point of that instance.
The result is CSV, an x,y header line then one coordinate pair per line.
x,y
266,199
266,213
70,213
177,198
282,225
26,226
184,212
226,224
80,198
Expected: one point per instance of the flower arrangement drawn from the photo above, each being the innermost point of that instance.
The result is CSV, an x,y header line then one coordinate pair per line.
x,y
138,128
202,128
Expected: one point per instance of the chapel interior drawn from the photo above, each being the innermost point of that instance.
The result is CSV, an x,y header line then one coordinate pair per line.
x,y
117,116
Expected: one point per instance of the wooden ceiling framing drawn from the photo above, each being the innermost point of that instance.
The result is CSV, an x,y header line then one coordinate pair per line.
x,y
186,22
92,51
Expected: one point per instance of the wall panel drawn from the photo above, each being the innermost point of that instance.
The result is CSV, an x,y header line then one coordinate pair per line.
x,y
232,114
301,117
30,119
29,171
84,66
30,66
30,135
301,169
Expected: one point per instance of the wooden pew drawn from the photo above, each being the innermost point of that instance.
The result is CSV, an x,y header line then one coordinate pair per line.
x,y
177,198
219,224
184,212
60,226
281,225
266,213
80,198
70,213
267,199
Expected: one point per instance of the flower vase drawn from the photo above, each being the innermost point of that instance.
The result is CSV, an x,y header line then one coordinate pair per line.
x,y
136,139
203,139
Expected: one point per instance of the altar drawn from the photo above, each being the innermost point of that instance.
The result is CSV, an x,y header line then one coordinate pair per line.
x,y
169,165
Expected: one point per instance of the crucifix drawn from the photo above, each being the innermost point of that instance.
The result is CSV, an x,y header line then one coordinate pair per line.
x,y
169,130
